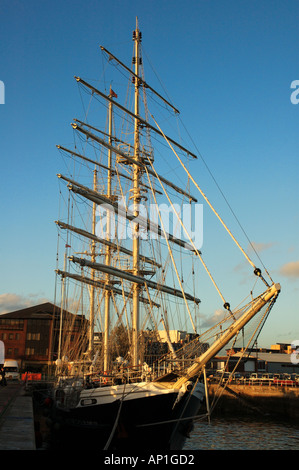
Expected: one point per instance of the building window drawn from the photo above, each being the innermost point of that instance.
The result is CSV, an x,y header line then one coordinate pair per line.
x,y
33,336
38,335
10,336
261,365
29,351
11,324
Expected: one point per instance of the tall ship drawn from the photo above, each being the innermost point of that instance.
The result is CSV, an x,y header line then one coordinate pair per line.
x,y
131,266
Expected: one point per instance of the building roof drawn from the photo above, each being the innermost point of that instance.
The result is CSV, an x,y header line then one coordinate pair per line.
x,y
45,310
40,312
268,357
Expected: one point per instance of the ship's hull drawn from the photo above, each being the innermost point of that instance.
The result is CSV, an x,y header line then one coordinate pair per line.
x,y
112,418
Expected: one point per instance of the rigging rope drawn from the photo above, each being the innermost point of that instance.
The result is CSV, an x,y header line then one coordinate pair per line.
x,y
106,447
228,204
245,350
226,304
256,270
170,252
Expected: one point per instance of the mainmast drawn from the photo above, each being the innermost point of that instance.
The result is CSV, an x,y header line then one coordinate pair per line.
x,y
136,199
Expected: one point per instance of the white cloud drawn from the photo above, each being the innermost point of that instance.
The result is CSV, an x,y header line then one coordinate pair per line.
x,y
258,247
10,302
218,316
290,270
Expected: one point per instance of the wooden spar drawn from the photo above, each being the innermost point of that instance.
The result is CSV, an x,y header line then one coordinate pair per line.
x,y
108,249
97,239
114,172
146,85
102,285
142,121
227,335
131,160
113,137
120,210
92,288
94,162
133,278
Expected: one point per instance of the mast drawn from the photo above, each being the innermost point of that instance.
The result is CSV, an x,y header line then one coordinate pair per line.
x,y
92,274
136,200
61,312
108,248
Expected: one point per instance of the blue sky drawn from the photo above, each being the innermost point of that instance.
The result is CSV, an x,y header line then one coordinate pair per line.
x,y
226,64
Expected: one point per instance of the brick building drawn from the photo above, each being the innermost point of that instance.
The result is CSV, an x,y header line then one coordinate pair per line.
x,y
31,335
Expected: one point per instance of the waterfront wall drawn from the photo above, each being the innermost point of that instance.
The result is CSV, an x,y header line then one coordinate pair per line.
x,y
261,400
